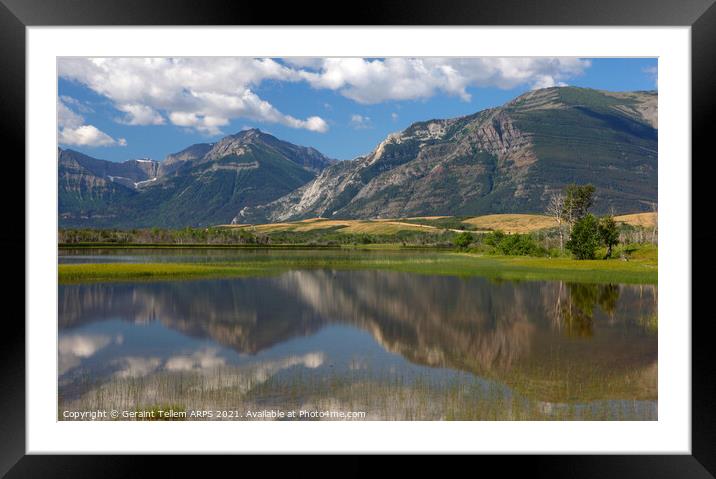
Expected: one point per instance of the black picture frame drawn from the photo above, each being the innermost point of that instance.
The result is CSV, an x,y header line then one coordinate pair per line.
x,y
16,15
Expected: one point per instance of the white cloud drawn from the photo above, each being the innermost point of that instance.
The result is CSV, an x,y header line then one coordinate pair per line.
x,y
312,123
394,116
304,62
546,81
360,122
137,114
76,104
66,117
375,81
73,131
203,123
88,135
203,94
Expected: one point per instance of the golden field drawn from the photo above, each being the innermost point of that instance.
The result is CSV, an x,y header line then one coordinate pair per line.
x,y
344,226
645,220
512,223
509,223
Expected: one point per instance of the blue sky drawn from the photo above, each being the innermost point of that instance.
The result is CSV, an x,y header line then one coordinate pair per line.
x,y
118,109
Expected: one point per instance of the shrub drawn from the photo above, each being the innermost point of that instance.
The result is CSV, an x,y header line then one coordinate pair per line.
x,y
513,245
462,240
584,240
494,238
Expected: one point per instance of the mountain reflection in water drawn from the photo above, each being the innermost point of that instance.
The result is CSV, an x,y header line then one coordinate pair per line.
x,y
550,341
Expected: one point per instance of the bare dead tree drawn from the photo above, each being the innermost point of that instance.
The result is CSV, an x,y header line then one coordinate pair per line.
x,y
555,209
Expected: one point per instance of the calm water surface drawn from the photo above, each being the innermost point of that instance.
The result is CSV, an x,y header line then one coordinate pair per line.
x,y
392,345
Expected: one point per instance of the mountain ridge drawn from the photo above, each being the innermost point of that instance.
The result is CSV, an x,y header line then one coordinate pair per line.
x,y
200,185
506,159
499,160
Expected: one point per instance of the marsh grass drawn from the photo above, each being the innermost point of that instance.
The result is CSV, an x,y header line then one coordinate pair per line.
x,y
570,383
641,270
650,322
69,273
382,395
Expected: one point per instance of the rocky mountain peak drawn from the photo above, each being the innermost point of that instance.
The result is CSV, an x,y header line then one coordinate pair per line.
x,y
175,161
250,133
238,144
499,160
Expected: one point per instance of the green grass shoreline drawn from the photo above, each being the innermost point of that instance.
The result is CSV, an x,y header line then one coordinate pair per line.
x,y
637,271
189,246
250,246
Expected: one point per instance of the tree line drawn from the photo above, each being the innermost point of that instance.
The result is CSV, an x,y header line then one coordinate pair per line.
x,y
577,231
584,232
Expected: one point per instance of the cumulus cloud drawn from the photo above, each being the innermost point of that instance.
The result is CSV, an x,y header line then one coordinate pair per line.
x,y
360,122
76,104
137,114
72,130
88,135
66,117
203,123
202,94
377,80
304,62
206,94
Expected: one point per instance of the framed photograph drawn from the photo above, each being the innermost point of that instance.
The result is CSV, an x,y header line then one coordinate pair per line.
x,y
402,232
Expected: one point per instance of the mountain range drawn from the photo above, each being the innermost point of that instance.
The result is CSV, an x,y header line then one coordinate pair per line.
x,y
204,184
508,159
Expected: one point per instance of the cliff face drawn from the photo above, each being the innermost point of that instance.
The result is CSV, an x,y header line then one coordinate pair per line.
x,y
501,160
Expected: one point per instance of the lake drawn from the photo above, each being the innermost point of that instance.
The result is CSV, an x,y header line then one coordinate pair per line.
x,y
354,344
